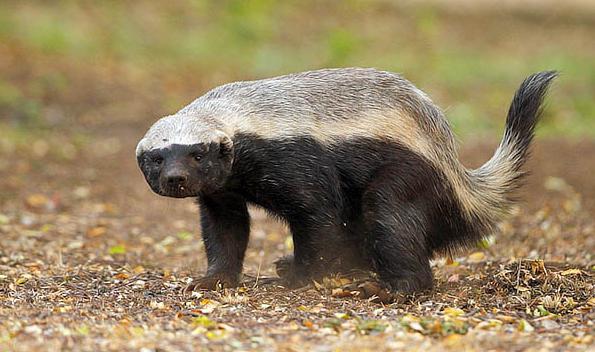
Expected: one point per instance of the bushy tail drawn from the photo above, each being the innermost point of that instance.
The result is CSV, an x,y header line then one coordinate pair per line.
x,y
497,180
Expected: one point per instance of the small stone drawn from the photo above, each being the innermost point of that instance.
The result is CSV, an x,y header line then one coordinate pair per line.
x,y
549,324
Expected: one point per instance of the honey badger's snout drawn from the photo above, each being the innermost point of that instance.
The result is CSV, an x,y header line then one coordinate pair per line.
x,y
174,180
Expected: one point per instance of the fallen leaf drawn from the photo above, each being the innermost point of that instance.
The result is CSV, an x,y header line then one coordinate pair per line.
x,y
524,326
96,231
489,324
215,334
415,326
118,249
453,312
486,243
556,184
157,305
184,235
207,306
412,322
289,243
452,340
341,293
33,329
476,257
21,280
368,326
343,316
121,276
82,330
571,272
506,318
37,201
204,321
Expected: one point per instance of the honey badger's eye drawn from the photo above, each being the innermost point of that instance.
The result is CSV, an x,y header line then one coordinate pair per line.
x,y
157,160
196,156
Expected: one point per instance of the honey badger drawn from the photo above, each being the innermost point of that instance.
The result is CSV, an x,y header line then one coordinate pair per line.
x,y
359,163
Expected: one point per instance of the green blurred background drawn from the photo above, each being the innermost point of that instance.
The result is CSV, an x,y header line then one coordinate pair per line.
x,y
80,68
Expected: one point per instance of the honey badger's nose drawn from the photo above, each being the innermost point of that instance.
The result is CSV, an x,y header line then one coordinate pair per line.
x,y
176,178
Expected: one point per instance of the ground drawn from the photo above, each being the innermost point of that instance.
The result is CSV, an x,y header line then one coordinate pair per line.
x,y
91,260
85,265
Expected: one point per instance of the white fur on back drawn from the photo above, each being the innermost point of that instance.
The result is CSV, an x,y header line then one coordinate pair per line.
x,y
188,128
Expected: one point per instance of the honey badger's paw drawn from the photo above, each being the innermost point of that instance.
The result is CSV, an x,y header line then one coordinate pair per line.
x,y
211,282
408,284
283,265
291,275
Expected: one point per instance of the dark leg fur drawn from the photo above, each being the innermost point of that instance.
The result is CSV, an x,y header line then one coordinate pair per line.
x,y
396,211
312,258
225,230
339,257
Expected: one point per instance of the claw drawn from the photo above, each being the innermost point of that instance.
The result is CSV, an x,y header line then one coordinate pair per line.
x,y
213,283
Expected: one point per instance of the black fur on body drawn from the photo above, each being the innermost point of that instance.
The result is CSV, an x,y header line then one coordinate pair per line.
x,y
360,164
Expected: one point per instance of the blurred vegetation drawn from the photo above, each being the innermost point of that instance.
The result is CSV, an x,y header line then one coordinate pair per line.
x,y
90,64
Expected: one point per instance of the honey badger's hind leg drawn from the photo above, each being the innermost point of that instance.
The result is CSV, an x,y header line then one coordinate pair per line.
x,y
318,239
343,256
398,209
312,259
322,244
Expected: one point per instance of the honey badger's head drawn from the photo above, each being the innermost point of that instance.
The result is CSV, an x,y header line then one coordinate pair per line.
x,y
181,156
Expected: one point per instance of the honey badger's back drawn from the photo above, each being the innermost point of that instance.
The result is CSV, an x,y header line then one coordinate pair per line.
x,y
332,105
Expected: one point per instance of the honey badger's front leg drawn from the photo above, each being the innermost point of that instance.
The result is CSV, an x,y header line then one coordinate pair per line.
x,y
225,226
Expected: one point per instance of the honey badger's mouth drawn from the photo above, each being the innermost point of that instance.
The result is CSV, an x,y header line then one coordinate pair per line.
x,y
178,191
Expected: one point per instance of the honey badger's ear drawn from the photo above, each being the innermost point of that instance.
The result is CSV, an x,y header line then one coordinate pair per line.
x,y
225,145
